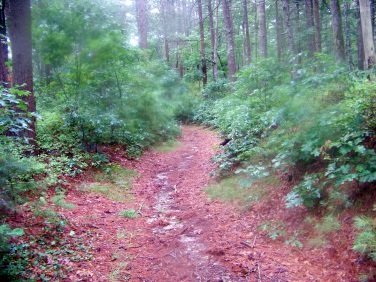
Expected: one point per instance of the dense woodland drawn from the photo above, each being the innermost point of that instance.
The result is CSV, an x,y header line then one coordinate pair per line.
x,y
290,85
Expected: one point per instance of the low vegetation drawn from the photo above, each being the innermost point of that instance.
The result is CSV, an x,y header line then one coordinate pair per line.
x,y
316,132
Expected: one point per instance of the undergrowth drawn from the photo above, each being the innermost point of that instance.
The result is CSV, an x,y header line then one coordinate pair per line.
x,y
317,131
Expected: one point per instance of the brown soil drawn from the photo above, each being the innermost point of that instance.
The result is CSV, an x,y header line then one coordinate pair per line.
x,y
180,235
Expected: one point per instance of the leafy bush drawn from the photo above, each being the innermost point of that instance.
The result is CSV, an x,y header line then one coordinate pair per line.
x,y
6,233
317,123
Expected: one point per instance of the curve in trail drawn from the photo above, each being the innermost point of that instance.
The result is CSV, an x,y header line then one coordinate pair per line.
x,y
177,214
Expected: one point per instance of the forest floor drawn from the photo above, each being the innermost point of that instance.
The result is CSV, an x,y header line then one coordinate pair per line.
x,y
176,233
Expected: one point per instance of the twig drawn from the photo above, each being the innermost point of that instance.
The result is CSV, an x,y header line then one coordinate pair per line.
x,y
254,242
259,272
247,245
140,209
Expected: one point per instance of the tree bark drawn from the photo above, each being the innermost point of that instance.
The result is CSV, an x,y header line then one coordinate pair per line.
x,y
339,45
230,41
359,40
309,25
278,31
248,50
366,24
202,44
142,23
288,26
346,6
263,32
165,31
21,46
213,41
316,16
3,46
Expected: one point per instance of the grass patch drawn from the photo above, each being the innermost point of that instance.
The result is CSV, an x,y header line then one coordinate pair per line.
x,y
235,189
167,146
131,213
115,182
328,225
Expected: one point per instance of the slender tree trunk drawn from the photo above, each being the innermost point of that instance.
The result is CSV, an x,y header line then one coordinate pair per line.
x,y
142,23
256,31
347,32
213,41
263,32
248,50
3,46
359,41
298,29
202,44
368,45
309,25
21,45
165,31
277,31
339,44
316,16
230,41
372,3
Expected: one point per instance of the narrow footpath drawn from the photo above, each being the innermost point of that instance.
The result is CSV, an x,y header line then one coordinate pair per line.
x,y
180,235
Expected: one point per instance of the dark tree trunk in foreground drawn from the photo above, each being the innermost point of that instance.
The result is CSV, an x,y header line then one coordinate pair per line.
x,y
21,44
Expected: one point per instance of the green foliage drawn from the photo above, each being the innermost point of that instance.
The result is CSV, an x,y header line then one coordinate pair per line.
x,y
273,229
131,213
11,118
101,89
322,117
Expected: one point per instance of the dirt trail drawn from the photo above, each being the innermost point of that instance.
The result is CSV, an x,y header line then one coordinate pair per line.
x,y
182,236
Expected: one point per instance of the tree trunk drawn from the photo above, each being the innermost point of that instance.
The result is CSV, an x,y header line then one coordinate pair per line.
x,y
288,26
309,25
3,46
278,31
316,17
359,40
248,50
339,45
348,32
298,29
165,31
213,41
142,23
263,32
230,41
202,44
366,24
21,46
